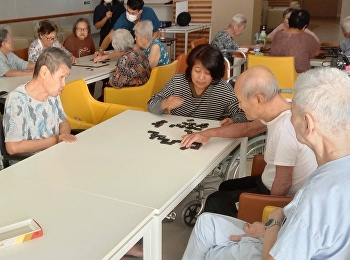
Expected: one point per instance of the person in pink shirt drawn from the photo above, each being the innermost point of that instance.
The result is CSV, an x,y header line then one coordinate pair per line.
x,y
285,25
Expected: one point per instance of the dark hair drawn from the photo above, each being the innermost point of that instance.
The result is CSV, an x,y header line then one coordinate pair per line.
x,y
81,20
3,35
287,11
135,4
47,27
211,58
113,1
299,19
53,58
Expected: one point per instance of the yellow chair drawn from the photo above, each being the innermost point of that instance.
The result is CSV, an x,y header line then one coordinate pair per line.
x,y
267,210
82,110
197,42
282,67
139,96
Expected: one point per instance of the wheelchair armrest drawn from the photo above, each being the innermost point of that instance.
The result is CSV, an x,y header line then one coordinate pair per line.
x,y
251,205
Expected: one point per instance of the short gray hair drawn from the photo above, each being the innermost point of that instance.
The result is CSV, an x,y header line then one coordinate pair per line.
x,y
261,81
122,40
144,28
52,58
325,93
3,35
346,24
238,19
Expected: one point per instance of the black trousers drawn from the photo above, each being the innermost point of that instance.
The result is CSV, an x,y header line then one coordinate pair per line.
x,y
224,200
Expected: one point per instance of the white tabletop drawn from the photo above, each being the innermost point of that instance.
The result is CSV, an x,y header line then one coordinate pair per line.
x,y
189,28
76,225
117,159
90,73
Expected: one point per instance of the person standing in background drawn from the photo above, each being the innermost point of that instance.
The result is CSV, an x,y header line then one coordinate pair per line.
x,y
105,16
135,12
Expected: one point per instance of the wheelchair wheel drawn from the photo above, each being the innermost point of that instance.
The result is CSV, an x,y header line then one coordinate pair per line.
x,y
190,213
255,145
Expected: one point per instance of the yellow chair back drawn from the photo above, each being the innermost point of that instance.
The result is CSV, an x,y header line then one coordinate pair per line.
x,y
139,96
82,110
267,210
282,67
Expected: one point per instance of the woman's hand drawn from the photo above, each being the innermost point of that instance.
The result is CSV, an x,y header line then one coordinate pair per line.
x,y
172,102
100,57
73,59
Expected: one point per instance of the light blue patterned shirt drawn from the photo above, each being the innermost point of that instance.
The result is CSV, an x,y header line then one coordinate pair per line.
x,y
28,119
164,58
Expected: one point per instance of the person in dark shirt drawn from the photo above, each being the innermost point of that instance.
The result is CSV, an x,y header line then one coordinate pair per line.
x,y
105,16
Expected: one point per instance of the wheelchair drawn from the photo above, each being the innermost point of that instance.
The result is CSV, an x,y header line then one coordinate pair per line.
x,y
228,168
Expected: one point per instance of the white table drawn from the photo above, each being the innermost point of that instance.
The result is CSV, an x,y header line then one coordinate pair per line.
x,y
116,159
76,225
192,27
89,74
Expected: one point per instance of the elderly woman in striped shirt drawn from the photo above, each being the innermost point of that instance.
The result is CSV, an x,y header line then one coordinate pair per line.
x,y
199,92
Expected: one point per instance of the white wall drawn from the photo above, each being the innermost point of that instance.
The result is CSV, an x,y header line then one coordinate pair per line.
x,y
224,10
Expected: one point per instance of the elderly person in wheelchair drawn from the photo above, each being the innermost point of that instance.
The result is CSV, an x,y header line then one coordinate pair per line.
x,y
288,162
313,225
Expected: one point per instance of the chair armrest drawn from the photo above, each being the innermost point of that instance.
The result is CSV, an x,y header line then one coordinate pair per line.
x,y
251,205
78,124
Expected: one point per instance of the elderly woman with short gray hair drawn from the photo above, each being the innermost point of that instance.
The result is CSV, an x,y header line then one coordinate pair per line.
x,y
132,68
10,64
224,38
345,44
154,49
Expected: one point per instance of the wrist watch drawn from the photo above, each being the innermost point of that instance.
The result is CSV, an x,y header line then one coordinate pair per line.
x,y
272,222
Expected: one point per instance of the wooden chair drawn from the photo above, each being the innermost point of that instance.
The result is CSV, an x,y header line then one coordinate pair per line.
x,y
251,205
139,96
22,53
282,67
82,110
197,42
182,63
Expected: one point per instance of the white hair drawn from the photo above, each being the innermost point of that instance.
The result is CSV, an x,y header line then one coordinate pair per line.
x,y
144,28
239,20
346,24
122,40
260,81
325,93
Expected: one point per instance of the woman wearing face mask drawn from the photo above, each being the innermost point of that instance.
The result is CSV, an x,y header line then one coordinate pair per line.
x,y
105,16
135,12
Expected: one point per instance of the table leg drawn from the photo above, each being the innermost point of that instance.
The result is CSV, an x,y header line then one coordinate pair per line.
x,y
186,42
243,157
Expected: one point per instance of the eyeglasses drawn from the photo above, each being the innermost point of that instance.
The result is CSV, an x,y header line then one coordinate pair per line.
x,y
51,39
82,29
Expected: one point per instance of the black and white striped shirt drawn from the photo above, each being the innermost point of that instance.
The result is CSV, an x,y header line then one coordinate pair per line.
x,y
216,103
